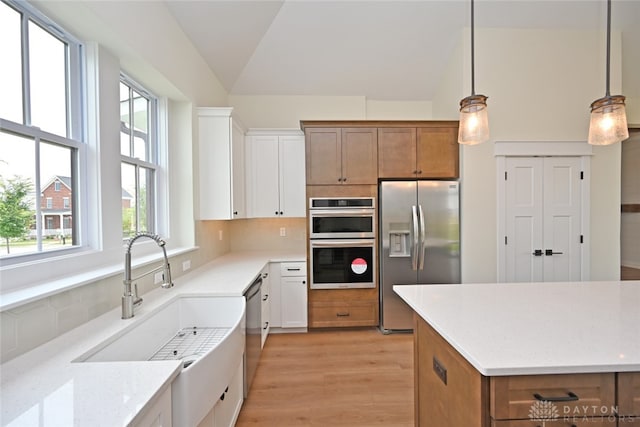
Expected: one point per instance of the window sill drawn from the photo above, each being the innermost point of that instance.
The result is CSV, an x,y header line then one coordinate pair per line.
x,y
18,297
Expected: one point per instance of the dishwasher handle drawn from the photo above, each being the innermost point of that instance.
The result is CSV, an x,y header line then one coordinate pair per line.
x,y
254,288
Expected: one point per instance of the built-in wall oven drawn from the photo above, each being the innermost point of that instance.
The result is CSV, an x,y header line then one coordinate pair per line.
x,y
342,242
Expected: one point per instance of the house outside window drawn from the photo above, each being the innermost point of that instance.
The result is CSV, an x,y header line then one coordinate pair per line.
x,y
65,202
41,126
139,157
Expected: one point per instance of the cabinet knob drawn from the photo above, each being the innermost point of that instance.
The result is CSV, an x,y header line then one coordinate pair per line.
x,y
235,212
304,282
276,212
419,172
281,213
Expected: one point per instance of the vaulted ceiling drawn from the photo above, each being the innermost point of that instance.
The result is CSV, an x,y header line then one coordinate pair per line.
x,y
387,50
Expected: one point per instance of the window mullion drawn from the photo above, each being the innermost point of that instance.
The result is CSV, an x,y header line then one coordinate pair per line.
x,y
136,169
26,84
38,196
131,124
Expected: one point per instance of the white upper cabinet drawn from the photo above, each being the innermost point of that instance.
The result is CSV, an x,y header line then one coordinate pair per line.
x,y
275,173
222,163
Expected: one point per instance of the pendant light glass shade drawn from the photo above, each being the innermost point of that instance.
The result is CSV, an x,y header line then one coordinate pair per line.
x,y
608,123
474,120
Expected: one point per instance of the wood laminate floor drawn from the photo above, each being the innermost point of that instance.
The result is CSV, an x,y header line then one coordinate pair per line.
x,y
332,378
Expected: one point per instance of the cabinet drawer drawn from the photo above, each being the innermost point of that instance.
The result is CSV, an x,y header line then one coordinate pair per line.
x,y
293,269
324,314
513,397
629,394
559,422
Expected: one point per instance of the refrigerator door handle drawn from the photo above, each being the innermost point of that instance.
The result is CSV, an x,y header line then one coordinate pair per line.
x,y
423,239
415,247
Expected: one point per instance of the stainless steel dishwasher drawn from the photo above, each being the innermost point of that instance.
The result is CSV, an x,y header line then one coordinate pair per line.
x,y
253,336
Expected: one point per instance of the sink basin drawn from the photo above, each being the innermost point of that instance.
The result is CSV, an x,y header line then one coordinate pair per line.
x,y
206,333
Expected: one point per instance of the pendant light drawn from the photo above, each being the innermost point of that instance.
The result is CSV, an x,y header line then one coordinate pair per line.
x,y
474,122
608,123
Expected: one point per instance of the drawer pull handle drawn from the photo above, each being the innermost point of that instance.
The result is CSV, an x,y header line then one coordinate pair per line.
x,y
570,397
347,314
293,269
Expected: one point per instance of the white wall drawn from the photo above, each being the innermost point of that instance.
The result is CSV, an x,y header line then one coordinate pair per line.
x,y
540,85
288,111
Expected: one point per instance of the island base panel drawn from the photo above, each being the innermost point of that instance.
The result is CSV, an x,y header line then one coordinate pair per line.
x,y
449,392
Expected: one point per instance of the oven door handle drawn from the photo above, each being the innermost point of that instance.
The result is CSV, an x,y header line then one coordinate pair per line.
x,y
342,243
341,213
416,238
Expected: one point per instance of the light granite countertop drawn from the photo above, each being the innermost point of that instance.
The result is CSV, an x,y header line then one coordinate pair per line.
x,y
44,388
535,328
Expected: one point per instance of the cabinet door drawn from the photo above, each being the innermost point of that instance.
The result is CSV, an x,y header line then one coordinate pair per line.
x,y
293,296
238,202
216,164
262,165
359,156
397,153
438,152
275,285
323,156
227,409
292,176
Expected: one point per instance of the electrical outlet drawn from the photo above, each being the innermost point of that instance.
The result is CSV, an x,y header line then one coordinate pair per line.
x,y
158,278
186,265
219,234
283,231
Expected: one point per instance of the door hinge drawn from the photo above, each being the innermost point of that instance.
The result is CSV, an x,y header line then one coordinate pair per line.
x,y
581,238
581,174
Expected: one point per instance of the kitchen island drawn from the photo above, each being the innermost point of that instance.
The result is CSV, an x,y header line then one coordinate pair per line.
x,y
535,354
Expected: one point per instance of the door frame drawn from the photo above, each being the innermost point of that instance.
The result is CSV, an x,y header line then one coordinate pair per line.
x,y
504,149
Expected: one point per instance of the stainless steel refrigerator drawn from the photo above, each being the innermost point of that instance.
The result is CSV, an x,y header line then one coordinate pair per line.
x,y
419,239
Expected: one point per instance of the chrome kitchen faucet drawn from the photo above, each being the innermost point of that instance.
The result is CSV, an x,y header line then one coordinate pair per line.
x,y
130,299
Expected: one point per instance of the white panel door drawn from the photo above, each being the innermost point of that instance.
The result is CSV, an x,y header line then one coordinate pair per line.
x,y
543,219
562,225
524,219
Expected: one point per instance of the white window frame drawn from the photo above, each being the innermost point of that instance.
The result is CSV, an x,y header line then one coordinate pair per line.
x,y
154,149
74,140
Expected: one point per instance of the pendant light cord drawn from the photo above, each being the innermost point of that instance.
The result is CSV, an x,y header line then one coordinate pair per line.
x,y
473,65
608,45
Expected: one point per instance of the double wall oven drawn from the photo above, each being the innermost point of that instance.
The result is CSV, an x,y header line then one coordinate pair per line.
x,y
342,242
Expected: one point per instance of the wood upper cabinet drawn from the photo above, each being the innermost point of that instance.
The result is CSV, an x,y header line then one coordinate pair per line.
x,y
341,156
397,153
418,152
438,152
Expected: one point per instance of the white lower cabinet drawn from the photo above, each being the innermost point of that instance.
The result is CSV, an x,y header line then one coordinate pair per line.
x,y
226,410
288,296
159,414
294,302
265,291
